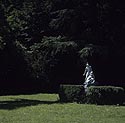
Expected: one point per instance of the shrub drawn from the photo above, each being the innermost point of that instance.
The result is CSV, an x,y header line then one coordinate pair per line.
x,y
71,93
105,95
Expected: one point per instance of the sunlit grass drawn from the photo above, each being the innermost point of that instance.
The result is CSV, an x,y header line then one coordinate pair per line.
x,y
45,108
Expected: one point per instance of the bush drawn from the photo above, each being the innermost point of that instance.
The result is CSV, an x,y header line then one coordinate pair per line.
x,y
71,93
105,95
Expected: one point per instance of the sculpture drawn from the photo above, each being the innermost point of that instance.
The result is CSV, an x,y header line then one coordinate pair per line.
x,y
89,77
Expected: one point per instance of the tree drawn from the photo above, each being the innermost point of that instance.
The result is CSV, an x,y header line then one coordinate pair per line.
x,y
55,58
12,61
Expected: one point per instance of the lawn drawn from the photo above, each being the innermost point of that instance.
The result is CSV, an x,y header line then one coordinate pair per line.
x,y
45,108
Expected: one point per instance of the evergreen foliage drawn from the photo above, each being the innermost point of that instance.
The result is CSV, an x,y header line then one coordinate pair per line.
x,y
51,40
53,58
71,93
101,95
105,95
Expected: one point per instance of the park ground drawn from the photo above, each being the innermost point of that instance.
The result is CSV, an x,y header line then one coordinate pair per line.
x,y
45,108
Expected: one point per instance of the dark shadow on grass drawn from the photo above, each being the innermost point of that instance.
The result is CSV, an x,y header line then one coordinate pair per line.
x,y
18,103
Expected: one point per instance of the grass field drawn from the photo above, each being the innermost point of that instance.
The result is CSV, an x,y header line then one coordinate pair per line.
x,y
45,108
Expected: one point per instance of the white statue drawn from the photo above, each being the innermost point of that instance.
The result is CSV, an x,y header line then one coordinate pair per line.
x,y
89,76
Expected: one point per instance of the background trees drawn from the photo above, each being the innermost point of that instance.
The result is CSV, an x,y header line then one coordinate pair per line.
x,y
49,41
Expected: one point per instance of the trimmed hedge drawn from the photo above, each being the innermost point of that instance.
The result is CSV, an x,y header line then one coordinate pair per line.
x,y
71,93
103,95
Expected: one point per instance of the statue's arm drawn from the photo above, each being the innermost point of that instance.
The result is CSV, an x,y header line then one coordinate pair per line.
x,y
84,72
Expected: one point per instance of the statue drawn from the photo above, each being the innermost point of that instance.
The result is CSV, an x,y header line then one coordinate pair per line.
x,y
89,77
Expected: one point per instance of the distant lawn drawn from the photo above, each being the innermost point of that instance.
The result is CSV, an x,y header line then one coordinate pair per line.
x,y
44,108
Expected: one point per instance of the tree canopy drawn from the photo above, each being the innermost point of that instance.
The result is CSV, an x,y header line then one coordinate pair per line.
x,y
49,41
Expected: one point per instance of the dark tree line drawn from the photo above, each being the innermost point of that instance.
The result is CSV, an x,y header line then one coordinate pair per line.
x,y
45,43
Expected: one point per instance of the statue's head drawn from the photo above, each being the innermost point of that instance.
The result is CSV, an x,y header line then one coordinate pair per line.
x,y
87,64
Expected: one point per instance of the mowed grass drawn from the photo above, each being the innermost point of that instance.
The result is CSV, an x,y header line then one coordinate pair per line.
x,y
45,108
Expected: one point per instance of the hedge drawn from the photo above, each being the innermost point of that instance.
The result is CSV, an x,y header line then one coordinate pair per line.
x,y
105,95
71,93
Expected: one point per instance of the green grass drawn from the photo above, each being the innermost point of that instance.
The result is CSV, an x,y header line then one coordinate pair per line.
x,y
44,108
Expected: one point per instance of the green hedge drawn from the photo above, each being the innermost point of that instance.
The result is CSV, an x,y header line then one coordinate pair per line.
x,y
71,93
102,95
105,95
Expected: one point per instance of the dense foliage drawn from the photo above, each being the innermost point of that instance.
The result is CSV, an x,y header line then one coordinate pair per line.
x,y
71,93
54,60
49,41
101,95
105,95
